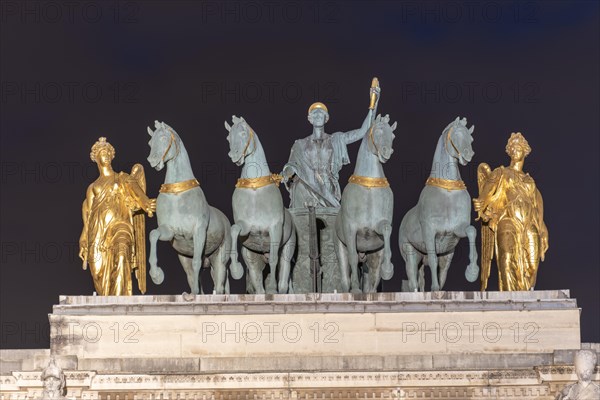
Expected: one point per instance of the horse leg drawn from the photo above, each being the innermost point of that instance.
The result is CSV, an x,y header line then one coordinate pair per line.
x,y
384,228
197,260
342,255
186,263
218,262
375,261
285,263
240,228
227,290
412,258
472,271
350,234
444,265
275,233
432,258
160,233
255,264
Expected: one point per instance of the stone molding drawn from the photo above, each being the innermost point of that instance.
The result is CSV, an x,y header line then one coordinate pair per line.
x,y
533,383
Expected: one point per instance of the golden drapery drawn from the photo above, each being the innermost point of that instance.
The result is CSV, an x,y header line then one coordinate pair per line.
x,y
512,227
114,231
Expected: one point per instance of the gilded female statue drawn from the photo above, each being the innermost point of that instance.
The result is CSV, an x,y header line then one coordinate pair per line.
x,y
511,210
113,239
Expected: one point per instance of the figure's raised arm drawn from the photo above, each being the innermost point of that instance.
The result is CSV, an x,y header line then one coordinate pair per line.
x,y
357,134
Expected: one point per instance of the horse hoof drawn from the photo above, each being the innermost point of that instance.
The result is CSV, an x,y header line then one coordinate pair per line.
x,y
187,296
270,287
283,289
158,276
472,272
236,269
220,289
387,271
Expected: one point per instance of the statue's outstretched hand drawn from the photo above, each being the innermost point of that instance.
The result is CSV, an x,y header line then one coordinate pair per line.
x,y
150,207
544,240
286,174
377,91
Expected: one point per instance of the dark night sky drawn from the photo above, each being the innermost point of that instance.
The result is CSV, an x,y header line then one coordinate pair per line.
x,y
106,68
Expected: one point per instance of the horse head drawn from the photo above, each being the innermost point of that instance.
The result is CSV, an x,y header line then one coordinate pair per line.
x,y
164,145
380,138
241,140
458,140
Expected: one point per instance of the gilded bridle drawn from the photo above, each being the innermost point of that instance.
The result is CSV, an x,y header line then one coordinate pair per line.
x,y
449,139
250,139
171,141
372,137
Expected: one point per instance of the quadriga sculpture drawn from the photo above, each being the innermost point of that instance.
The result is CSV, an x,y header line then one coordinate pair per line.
x,y
364,223
430,231
199,233
265,226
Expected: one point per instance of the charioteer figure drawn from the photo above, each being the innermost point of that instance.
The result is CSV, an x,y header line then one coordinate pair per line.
x,y
311,174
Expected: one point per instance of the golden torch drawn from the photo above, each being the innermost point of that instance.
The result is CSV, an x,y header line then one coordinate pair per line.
x,y
374,84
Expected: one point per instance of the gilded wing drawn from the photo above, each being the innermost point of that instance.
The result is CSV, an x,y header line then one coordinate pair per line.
x,y
139,231
539,206
487,235
483,172
487,253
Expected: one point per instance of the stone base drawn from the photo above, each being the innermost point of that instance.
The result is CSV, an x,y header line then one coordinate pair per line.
x,y
445,345
308,325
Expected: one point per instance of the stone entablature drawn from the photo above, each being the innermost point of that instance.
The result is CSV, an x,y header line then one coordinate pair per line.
x,y
533,383
383,345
